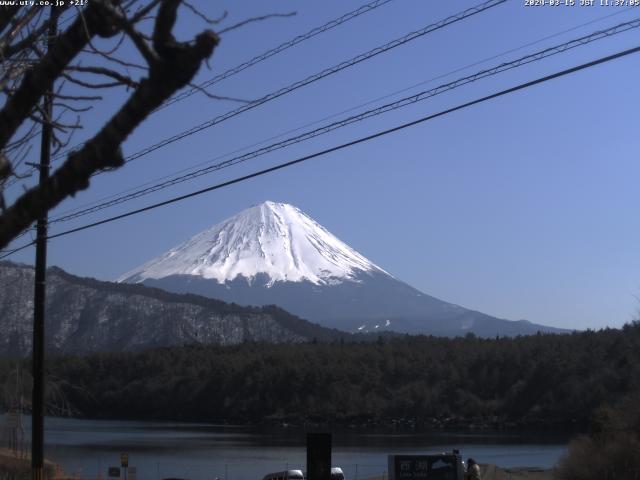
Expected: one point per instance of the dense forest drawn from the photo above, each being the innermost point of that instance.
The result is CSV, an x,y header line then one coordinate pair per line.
x,y
539,381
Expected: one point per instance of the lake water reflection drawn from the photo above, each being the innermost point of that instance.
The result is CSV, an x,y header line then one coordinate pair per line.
x,y
207,452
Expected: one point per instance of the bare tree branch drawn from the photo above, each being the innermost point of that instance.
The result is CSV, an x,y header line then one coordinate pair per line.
x,y
78,98
92,85
119,61
213,96
144,11
210,21
107,72
9,50
5,167
21,155
17,27
254,19
176,65
51,66
65,106
25,138
140,42
7,12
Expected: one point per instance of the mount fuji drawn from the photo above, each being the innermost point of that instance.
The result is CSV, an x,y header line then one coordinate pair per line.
x,y
274,253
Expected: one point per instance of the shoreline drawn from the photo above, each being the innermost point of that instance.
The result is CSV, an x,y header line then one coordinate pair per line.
x,y
450,427
494,472
12,463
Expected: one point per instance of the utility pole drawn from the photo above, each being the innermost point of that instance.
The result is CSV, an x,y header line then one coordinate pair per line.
x,y
37,414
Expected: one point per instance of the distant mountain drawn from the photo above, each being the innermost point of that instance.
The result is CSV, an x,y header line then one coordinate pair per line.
x,y
86,315
273,253
274,240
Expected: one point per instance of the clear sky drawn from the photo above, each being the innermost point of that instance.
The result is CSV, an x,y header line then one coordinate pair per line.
x,y
524,207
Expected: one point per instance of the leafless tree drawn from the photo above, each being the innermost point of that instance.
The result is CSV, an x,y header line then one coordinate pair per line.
x,y
81,60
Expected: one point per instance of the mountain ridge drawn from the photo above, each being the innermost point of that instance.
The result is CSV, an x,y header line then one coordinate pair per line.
x,y
274,253
86,315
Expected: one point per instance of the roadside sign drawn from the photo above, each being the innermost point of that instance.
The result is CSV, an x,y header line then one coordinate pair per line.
x,y
425,467
124,460
114,472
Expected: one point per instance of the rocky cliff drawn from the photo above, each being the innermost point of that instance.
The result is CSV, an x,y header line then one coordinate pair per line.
x,y
86,315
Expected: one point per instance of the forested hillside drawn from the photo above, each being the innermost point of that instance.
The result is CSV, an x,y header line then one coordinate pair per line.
x,y
86,315
534,381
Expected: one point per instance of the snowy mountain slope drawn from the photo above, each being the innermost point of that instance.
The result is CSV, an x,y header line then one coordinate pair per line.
x,y
275,254
274,239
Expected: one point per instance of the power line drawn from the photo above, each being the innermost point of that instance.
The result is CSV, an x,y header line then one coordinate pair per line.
x,y
257,59
318,76
104,200
263,56
424,95
279,49
342,146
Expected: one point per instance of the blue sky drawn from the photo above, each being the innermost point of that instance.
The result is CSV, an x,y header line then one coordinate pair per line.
x,y
521,207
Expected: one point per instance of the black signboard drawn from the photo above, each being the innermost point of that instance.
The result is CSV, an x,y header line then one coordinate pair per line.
x,y
410,467
425,467
114,472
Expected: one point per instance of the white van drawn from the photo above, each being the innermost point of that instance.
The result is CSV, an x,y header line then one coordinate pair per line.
x,y
337,473
285,475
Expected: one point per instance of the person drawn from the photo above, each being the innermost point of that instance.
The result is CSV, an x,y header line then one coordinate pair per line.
x,y
473,470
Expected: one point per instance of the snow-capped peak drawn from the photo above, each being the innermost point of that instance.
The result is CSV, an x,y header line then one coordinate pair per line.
x,y
275,239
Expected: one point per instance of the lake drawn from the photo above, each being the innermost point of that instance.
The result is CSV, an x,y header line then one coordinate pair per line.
x,y
206,452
